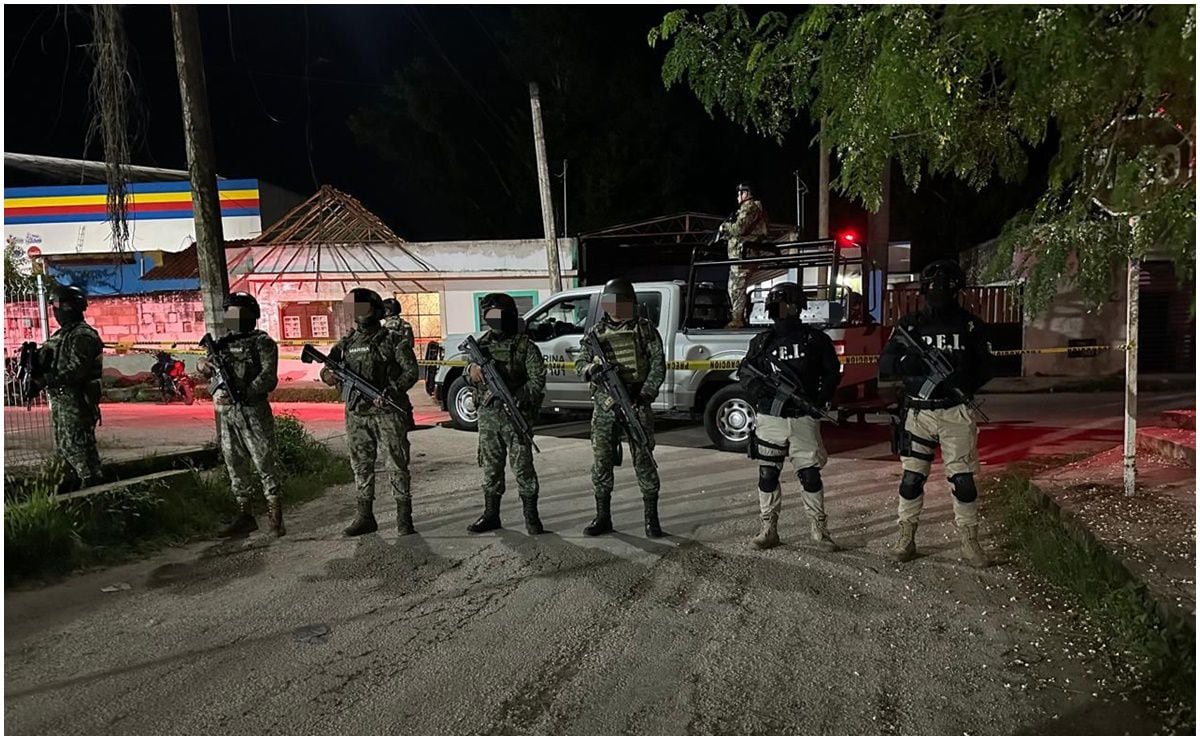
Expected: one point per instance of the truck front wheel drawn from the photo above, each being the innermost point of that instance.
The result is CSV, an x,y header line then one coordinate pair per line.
x,y
729,418
460,402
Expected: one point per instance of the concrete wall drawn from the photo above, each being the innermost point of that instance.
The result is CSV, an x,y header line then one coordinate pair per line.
x,y
1067,319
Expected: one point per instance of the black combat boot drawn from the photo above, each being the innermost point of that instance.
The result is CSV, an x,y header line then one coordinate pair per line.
x,y
364,522
275,516
244,524
491,516
651,507
602,524
404,523
533,523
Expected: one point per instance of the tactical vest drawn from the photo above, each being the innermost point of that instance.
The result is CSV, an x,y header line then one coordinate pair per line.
x,y
626,347
509,354
95,365
241,352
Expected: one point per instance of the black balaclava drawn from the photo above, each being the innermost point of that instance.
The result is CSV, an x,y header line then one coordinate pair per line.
x,y
364,307
500,313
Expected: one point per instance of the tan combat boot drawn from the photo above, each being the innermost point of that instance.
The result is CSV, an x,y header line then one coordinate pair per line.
x,y
971,549
769,536
820,534
906,546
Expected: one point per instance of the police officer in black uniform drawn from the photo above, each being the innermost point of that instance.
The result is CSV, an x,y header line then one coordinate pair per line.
x,y
944,419
809,355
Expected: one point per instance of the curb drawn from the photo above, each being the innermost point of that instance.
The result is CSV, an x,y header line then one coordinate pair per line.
x,y
1170,617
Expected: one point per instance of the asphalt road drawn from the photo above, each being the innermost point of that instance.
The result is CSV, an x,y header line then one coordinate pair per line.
x,y
447,633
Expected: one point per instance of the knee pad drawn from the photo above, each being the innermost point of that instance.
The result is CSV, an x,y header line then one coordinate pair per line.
x,y
912,485
810,479
963,487
768,478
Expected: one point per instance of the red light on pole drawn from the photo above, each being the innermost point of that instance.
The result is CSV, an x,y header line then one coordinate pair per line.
x,y
848,238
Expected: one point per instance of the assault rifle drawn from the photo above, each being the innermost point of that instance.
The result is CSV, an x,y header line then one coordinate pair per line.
x,y
786,386
27,370
220,371
939,370
354,385
609,379
495,384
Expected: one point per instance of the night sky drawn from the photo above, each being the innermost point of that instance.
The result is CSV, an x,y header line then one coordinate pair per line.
x,y
447,153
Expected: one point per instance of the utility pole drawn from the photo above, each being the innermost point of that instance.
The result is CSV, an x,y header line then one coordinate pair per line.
x,y
823,188
823,276
206,207
1129,450
801,190
539,146
564,179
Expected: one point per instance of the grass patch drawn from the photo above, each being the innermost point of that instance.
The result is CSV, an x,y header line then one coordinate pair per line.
x,y
45,535
1161,650
319,394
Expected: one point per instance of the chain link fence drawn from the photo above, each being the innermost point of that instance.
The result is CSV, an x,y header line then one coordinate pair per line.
x,y
28,438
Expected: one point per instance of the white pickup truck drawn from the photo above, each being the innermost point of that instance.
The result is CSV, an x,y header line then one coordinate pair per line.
x,y
711,394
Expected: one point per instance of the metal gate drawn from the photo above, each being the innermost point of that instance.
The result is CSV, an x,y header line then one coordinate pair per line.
x,y
28,438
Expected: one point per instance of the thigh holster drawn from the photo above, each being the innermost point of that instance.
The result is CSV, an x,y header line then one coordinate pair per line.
x,y
766,451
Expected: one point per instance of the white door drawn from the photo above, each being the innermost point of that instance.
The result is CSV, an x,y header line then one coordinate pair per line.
x,y
557,328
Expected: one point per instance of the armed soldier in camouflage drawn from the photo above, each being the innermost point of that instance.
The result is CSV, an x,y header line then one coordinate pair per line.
x,y
748,224
375,430
246,428
392,321
519,362
634,346
68,366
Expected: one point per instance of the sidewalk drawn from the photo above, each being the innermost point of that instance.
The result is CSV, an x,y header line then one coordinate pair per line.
x,y
1151,534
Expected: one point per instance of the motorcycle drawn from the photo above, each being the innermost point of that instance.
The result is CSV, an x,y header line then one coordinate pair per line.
x,y
173,380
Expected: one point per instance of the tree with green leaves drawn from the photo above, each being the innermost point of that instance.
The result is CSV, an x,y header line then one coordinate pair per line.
x,y
970,91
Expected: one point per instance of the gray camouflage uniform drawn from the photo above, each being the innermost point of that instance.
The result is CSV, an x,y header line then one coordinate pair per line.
x,y
387,362
246,431
69,367
519,362
636,347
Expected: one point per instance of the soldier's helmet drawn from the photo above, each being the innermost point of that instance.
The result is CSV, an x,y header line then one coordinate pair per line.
x,y
370,297
789,294
72,296
245,301
946,273
620,289
746,187
502,301
391,307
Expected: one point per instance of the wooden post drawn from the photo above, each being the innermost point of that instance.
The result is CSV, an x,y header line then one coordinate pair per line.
x,y
206,207
1131,372
823,276
539,146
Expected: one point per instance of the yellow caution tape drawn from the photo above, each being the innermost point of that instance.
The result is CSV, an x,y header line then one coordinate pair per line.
x,y
125,347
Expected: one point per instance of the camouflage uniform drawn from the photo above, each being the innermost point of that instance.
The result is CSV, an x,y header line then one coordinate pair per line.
x,y
401,327
749,224
519,362
387,362
69,366
246,431
636,347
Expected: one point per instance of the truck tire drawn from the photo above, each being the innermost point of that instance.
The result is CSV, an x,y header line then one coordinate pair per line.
x,y
728,418
460,402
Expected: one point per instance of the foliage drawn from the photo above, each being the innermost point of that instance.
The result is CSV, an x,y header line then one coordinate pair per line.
x,y
306,464
46,535
39,536
967,91
1164,651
